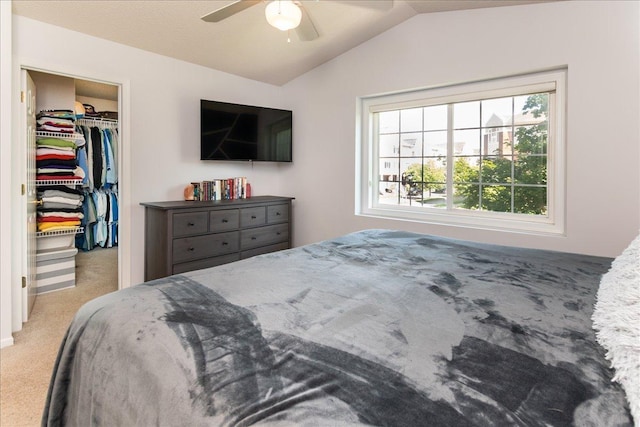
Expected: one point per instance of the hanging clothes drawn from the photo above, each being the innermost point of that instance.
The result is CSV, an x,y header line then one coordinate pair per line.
x,y
98,156
110,176
98,161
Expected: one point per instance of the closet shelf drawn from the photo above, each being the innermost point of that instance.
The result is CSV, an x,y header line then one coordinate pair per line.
x,y
70,136
60,232
74,182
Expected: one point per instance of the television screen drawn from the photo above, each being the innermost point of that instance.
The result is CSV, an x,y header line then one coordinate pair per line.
x,y
244,132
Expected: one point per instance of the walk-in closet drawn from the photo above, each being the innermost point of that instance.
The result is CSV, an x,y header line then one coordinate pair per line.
x,y
76,153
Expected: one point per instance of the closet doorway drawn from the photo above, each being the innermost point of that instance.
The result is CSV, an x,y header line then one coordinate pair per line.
x,y
78,203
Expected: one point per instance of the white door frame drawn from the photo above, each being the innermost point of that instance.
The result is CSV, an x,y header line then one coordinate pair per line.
x,y
18,176
29,244
6,174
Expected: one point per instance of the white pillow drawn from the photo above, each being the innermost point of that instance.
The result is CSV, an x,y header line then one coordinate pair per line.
x,y
616,320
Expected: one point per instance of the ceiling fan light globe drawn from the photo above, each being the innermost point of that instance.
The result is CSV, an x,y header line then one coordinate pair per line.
x,y
283,14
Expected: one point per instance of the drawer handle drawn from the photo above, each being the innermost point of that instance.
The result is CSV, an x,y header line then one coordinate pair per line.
x,y
253,217
277,213
191,249
253,237
190,224
224,243
278,233
224,221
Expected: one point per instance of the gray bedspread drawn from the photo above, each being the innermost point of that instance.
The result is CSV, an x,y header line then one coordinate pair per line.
x,y
377,327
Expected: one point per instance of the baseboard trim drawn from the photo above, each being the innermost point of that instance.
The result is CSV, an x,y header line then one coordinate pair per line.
x,y
6,342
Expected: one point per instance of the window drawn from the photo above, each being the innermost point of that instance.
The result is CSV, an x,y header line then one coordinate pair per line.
x,y
486,154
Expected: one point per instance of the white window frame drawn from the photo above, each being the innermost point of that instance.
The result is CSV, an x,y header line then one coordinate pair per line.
x,y
367,164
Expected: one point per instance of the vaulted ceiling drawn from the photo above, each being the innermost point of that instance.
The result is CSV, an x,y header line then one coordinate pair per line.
x,y
243,44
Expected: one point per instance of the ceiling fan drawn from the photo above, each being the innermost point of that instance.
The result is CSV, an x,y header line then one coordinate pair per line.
x,y
286,14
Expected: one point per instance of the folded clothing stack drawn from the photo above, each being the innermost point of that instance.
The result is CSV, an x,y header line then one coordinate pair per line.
x,y
56,121
56,159
90,112
61,208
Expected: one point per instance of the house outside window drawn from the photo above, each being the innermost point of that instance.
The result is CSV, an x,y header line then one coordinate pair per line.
x,y
487,154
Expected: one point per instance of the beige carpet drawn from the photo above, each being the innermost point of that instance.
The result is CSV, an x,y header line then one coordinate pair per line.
x,y
25,367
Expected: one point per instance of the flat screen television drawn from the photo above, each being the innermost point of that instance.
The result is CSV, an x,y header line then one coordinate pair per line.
x,y
244,132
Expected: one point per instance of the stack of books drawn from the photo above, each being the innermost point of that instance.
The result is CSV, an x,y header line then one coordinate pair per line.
x,y
220,189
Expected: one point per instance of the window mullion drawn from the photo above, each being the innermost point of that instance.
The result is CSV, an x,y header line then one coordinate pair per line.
x,y
374,160
449,157
399,157
512,155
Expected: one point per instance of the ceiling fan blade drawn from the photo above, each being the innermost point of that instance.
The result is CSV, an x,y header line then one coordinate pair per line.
x,y
306,30
228,10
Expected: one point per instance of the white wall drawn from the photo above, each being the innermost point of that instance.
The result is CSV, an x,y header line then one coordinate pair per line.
x,y
161,97
5,174
598,41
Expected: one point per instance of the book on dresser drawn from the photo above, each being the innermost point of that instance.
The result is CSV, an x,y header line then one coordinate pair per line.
x,y
220,189
182,236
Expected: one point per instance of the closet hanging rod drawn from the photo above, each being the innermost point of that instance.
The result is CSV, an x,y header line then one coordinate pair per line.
x,y
97,121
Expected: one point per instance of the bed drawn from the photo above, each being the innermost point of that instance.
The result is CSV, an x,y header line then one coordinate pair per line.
x,y
377,327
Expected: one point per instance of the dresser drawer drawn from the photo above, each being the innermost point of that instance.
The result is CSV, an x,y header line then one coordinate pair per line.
x,y
277,213
205,263
264,236
250,217
190,223
224,220
198,247
264,250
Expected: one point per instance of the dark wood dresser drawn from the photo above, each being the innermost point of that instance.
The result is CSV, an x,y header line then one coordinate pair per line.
x,y
181,236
